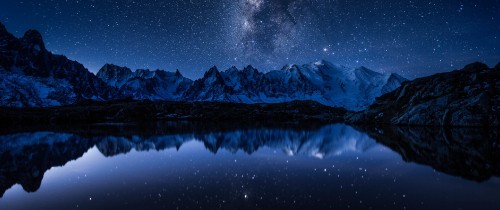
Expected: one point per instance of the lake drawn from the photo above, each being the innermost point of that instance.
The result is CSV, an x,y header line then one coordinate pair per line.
x,y
216,165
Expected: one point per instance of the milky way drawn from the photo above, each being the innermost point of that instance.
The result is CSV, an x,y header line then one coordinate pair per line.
x,y
412,38
268,30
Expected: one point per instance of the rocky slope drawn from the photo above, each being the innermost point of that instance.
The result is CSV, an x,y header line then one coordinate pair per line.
x,y
466,97
31,76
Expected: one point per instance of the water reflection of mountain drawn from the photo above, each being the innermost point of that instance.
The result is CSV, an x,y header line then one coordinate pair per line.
x,y
26,156
27,153
471,153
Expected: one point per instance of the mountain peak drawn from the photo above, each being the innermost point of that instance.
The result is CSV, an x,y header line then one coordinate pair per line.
x,y
7,37
367,71
110,65
33,40
232,69
322,62
395,75
476,66
285,67
2,28
212,70
249,67
290,67
113,67
178,73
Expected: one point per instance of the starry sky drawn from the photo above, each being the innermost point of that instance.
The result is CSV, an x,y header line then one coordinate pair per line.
x,y
413,38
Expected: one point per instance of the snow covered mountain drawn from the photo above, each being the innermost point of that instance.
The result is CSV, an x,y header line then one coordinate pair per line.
x,y
321,81
32,76
145,84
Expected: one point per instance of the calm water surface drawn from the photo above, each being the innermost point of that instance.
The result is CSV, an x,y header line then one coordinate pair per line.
x,y
232,166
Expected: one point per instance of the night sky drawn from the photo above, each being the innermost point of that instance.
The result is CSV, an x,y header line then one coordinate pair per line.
x,y
412,38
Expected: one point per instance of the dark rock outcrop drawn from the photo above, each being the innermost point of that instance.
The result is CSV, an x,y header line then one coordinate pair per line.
x,y
466,97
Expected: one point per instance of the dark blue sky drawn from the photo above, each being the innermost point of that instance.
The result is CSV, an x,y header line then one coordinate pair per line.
x,y
412,38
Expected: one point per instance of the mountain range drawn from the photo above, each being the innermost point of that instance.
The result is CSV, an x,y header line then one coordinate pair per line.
x,y
320,81
31,76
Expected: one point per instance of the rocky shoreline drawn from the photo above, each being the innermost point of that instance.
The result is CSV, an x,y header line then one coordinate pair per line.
x,y
146,111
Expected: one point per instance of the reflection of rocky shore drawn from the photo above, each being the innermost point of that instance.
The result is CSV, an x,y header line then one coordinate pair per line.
x,y
26,156
471,153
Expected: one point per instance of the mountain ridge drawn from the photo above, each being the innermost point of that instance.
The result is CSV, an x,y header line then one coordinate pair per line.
x,y
31,76
34,77
320,81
